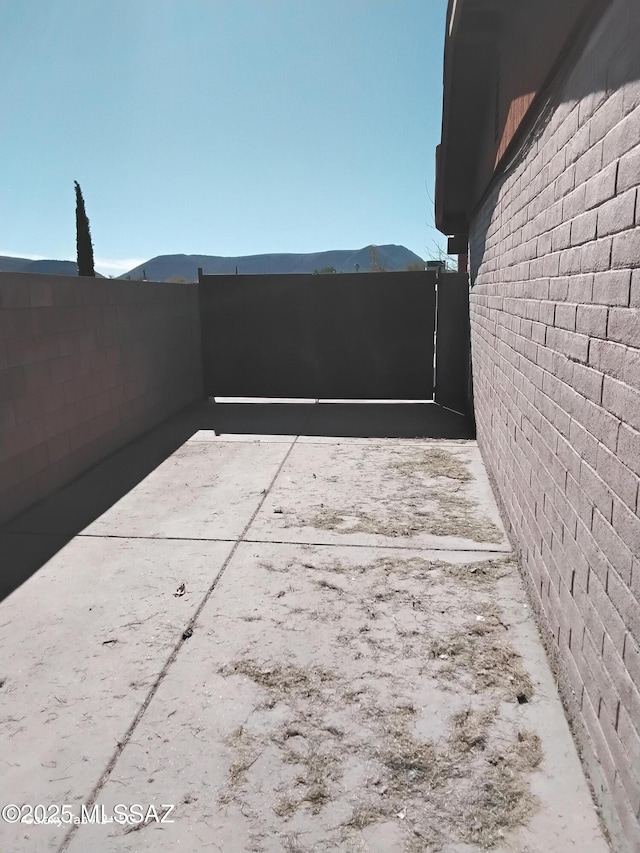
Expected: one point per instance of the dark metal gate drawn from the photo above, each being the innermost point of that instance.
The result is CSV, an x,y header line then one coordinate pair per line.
x,y
453,350
355,336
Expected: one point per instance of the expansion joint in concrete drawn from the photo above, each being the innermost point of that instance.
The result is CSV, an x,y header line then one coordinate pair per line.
x,y
188,631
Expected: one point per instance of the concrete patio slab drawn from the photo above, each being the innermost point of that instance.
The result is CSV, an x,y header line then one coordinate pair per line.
x,y
83,641
308,712
23,554
313,686
72,508
205,490
383,493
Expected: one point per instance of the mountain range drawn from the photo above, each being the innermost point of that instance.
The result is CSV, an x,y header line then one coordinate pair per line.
x,y
45,267
185,267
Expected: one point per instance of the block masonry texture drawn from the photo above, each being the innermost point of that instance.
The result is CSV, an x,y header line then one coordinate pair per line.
x,y
557,395
86,365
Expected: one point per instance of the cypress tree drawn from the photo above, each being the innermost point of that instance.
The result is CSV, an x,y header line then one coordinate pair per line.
x,y
83,237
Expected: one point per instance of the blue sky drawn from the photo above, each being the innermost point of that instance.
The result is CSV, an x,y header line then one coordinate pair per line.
x,y
222,127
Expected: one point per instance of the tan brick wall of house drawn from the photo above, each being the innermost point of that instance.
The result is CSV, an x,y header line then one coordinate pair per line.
x,y
86,365
555,315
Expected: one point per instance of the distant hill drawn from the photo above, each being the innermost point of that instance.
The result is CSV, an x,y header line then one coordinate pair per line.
x,y
52,267
44,267
164,267
13,264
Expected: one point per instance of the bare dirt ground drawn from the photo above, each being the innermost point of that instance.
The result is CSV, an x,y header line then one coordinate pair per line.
x,y
361,673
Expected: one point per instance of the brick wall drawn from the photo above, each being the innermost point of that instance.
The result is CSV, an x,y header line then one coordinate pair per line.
x,y
555,314
86,365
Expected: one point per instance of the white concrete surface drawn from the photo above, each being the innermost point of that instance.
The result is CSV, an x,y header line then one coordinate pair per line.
x,y
331,649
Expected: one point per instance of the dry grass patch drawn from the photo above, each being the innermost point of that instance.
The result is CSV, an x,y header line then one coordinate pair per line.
x,y
410,504
325,584
492,663
502,801
407,765
292,844
462,791
319,768
247,750
454,516
283,682
412,766
364,816
355,747
334,566
433,463
469,787
524,754
485,573
470,729
416,567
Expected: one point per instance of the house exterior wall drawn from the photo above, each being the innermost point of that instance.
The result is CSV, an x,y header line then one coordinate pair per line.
x,y
86,365
526,53
555,319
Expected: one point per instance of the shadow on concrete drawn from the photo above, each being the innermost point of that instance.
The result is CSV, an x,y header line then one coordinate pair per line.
x,y
34,537
353,420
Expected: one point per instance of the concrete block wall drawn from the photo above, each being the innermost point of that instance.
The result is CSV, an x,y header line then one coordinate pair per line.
x,y
86,365
555,316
